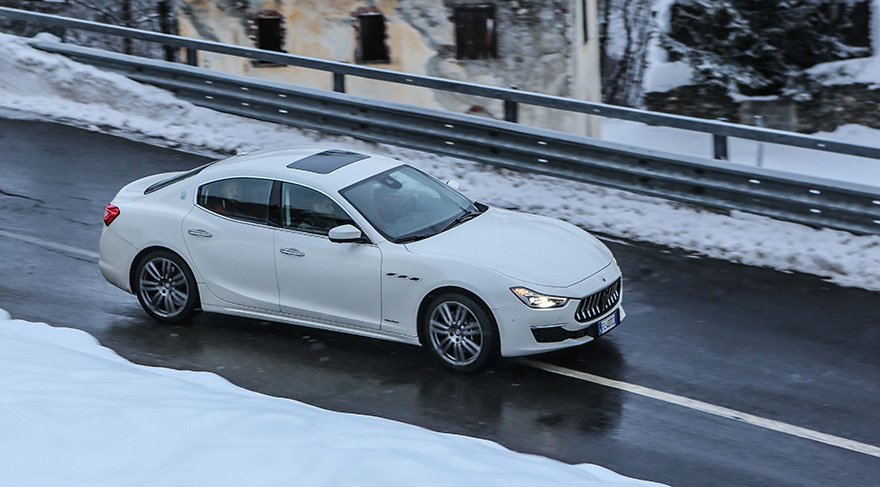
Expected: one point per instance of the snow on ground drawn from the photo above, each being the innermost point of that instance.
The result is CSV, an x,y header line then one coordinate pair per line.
x,y
74,413
45,86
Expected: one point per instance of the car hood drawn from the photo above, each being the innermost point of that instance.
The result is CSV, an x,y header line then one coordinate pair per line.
x,y
528,248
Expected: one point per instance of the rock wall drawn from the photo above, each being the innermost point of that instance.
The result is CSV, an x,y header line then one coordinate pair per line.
x,y
711,102
743,41
828,108
836,105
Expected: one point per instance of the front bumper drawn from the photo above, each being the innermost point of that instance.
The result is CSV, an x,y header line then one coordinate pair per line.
x,y
561,333
526,331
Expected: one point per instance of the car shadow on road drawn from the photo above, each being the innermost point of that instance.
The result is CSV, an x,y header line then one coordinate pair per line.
x,y
520,406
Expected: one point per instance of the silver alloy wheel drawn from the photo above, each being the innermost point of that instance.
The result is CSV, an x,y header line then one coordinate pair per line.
x,y
163,287
455,333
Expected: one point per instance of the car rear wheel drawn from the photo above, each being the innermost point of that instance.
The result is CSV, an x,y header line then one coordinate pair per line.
x,y
459,333
165,287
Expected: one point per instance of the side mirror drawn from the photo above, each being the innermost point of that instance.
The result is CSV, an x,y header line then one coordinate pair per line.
x,y
453,184
345,233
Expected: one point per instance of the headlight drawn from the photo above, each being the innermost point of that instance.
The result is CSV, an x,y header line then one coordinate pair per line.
x,y
535,300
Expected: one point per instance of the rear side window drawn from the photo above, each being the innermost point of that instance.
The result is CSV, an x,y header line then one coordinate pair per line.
x,y
307,210
244,199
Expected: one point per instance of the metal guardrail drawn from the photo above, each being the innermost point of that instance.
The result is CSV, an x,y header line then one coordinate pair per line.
x,y
812,201
704,182
719,130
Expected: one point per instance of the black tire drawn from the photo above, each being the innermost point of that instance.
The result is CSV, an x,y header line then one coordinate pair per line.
x,y
165,287
458,332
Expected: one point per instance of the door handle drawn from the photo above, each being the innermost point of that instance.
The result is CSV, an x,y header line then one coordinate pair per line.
x,y
293,252
198,232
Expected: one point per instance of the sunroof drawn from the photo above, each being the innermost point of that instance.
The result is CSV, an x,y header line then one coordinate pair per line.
x,y
327,161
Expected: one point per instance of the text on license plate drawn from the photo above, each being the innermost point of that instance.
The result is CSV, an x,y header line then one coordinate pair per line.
x,y
608,323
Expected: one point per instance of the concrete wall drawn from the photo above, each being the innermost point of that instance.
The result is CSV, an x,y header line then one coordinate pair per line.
x,y
540,48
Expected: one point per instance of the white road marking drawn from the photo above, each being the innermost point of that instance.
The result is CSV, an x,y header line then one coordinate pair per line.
x,y
694,404
50,245
705,407
615,240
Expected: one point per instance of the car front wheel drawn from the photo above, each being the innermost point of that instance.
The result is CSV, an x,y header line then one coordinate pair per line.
x,y
165,287
459,333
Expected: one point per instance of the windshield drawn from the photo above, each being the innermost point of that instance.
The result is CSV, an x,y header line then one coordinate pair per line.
x,y
405,204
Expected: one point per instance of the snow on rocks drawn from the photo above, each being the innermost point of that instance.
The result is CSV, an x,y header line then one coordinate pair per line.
x,y
660,73
858,70
39,85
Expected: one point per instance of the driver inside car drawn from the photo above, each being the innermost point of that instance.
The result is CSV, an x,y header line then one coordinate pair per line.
x,y
318,215
229,199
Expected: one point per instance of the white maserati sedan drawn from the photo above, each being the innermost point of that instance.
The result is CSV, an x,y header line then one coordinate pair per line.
x,y
361,244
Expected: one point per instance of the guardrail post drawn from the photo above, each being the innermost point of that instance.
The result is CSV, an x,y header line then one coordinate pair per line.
x,y
339,82
719,147
192,56
511,109
759,158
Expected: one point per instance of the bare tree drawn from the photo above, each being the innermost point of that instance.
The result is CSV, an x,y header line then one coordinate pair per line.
x,y
625,30
141,14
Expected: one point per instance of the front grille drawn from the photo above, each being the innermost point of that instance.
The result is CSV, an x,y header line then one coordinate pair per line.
x,y
597,304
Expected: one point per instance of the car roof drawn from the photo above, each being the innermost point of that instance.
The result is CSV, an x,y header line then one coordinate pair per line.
x,y
326,168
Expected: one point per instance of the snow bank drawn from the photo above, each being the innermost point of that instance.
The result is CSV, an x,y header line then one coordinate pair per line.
x,y
74,413
56,88
40,85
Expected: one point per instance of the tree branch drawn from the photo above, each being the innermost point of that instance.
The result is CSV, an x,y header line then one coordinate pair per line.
x,y
100,10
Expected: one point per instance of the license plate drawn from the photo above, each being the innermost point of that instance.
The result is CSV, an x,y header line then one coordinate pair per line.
x,y
608,323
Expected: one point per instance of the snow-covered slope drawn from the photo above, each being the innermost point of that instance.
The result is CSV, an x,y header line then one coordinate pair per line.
x,y
74,413
39,85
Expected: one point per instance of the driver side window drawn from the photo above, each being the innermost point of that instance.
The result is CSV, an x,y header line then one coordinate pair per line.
x,y
306,210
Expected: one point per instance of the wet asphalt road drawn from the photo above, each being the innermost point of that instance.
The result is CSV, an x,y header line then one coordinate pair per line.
x,y
782,346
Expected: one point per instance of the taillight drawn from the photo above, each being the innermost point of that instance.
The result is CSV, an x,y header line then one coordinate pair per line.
x,y
110,214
